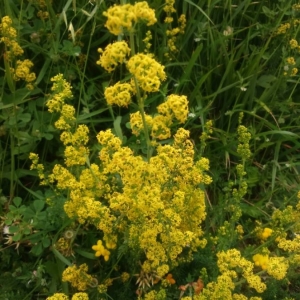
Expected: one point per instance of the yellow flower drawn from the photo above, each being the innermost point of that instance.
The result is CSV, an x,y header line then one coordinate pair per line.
x,y
293,43
291,60
277,267
113,55
125,276
100,250
76,155
161,127
78,277
120,17
22,71
169,6
136,122
294,71
67,117
58,296
265,233
102,288
147,40
261,260
176,106
8,37
61,92
80,296
144,13
283,28
148,72
119,94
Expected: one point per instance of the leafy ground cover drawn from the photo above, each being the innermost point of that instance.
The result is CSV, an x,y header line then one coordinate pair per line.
x,y
149,150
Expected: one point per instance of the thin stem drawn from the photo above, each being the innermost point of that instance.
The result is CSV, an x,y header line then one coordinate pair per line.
x,y
140,102
12,166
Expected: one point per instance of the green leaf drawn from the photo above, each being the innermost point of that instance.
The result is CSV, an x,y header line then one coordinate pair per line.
x,y
86,254
46,242
61,257
26,117
69,48
8,222
26,231
251,211
37,249
265,80
48,136
14,229
17,237
17,201
29,213
38,205
269,13
117,127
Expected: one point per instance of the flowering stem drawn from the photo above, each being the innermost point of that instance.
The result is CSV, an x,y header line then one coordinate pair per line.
x,y
140,102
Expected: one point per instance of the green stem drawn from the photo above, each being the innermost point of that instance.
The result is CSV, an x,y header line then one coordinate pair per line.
x,y
140,102
12,165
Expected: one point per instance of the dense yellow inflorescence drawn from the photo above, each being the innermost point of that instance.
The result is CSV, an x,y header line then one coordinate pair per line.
x,y
157,204
113,55
76,296
173,33
19,69
22,71
175,108
124,17
8,36
78,277
119,94
61,92
151,211
147,71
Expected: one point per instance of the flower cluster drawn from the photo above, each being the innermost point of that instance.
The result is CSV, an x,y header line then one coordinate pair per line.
x,y
147,71
288,70
36,166
78,277
161,218
147,40
294,44
8,36
124,17
113,55
244,137
172,33
22,72
43,12
174,108
76,296
119,94
61,92
64,247
282,29
21,69
230,264
296,6
277,267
